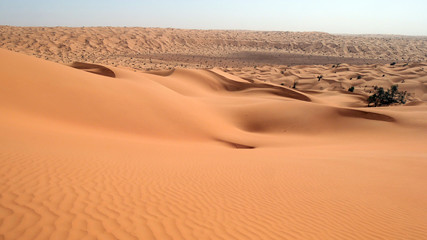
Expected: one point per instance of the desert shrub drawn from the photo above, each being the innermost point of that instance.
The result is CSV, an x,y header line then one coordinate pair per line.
x,y
393,63
388,97
319,77
359,76
351,89
294,86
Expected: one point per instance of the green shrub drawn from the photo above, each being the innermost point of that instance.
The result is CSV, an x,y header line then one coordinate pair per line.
x,y
385,98
351,89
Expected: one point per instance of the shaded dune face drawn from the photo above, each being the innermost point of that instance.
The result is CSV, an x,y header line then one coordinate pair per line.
x,y
163,73
150,48
365,115
98,152
94,68
336,80
182,103
231,85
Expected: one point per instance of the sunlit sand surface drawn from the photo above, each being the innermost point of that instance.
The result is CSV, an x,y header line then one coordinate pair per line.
x,y
93,151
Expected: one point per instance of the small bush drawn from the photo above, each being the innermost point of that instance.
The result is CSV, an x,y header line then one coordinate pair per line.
x,y
319,77
359,76
351,89
393,63
385,98
294,86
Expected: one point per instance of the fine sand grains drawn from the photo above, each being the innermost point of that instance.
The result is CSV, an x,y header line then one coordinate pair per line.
x,y
154,48
98,152
336,79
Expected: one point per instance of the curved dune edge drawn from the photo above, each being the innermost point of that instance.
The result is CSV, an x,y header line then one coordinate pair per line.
x,y
236,145
232,85
163,73
126,46
336,79
94,68
197,155
365,115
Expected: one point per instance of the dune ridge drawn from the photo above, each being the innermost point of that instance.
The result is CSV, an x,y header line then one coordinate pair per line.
x,y
94,68
152,48
205,154
336,79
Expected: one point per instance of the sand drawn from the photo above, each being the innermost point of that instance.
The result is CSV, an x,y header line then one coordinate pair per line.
x,y
93,151
336,79
157,48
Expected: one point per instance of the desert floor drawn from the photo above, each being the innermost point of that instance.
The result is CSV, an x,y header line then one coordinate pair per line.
x,y
95,150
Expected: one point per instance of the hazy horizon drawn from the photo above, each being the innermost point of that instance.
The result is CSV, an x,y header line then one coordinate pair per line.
x,y
362,17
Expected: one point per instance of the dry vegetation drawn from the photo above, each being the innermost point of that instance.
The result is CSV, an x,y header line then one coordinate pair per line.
x,y
152,48
262,146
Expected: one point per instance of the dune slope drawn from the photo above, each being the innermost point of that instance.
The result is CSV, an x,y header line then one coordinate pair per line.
x,y
152,48
200,154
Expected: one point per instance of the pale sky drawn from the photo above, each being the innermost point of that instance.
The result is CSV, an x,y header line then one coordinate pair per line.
x,y
408,17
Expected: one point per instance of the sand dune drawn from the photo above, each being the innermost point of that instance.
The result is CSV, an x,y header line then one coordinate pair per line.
x,y
94,68
98,152
153,48
337,79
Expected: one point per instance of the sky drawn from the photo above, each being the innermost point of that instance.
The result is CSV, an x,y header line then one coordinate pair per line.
x,y
405,17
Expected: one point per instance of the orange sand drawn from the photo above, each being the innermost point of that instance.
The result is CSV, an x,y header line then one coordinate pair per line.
x,y
203,154
154,48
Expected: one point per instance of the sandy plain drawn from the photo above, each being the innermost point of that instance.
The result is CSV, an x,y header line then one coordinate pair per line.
x,y
95,150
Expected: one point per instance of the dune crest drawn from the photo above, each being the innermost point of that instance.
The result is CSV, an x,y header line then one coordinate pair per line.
x,y
94,68
204,154
155,48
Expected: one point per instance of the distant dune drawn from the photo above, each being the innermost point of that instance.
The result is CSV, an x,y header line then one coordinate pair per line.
x,y
340,77
153,48
91,151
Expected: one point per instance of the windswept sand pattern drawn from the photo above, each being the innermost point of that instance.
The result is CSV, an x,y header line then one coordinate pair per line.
x,y
410,77
205,154
88,193
145,48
